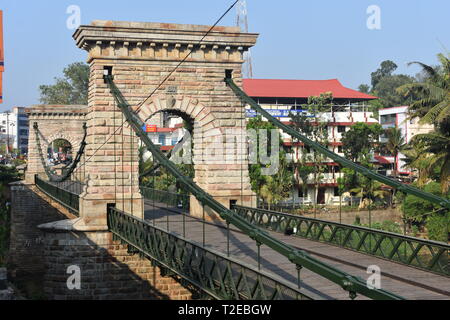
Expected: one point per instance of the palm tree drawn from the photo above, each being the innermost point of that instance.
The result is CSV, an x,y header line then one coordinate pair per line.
x,y
394,145
417,159
367,193
437,144
433,103
433,106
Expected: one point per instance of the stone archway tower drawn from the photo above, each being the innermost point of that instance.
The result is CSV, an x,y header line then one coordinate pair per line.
x,y
141,56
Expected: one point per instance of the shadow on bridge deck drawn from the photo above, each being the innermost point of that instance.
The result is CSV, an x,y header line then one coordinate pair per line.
x,y
408,282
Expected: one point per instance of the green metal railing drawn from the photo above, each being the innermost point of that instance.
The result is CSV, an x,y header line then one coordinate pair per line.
x,y
219,276
343,161
177,200
353,285
56,191
424,254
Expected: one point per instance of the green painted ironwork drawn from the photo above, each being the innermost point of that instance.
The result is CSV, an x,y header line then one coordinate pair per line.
x,y
55,191
420,253
354,285
220,277
67,171
177,200
341,160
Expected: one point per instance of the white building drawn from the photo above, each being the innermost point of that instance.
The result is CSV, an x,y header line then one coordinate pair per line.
x,y
278,97
397,117
14,128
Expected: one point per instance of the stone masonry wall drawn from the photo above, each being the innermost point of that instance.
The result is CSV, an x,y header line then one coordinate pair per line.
x,y
54,122
141,55
30,208
107,270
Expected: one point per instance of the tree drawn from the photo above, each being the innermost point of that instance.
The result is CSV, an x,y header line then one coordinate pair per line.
x,y
433,102
395,143
360,140
386,90
423,212
433,106
437,146
386,68
272,188
416,158
71,89
364,88
310,124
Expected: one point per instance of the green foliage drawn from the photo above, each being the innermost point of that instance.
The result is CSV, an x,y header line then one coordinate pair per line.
x,y
271,188
387,225
395,143
315,129
432,95
386,68
384,86
71,89
8,175
386,90
434,216
430,152
417,209
364,88
360,140
438,226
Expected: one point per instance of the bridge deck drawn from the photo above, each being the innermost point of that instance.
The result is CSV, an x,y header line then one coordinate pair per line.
x,y
406,281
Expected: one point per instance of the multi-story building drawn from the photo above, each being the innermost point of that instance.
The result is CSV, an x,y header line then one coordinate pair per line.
x,y
397,117
14,130
279,97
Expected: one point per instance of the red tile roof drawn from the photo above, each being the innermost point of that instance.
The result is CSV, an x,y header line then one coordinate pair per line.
x,y
272,88
382,160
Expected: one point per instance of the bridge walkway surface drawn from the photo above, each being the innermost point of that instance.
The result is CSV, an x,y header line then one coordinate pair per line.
x,y
409,282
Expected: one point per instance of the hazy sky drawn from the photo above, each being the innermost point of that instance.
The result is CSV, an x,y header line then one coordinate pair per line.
x,y
315,39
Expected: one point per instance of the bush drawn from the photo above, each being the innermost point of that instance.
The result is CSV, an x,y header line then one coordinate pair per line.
x,y
424,212
438,227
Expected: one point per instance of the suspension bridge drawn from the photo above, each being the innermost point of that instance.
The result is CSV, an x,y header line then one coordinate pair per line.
x,y
213,236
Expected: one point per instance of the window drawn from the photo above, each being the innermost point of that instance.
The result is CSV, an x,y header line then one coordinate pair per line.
x,y
337,169
341,129
162,139
300,192
340,149
336,191
307,149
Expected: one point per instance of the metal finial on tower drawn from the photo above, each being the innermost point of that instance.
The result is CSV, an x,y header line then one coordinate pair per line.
x,y
242,22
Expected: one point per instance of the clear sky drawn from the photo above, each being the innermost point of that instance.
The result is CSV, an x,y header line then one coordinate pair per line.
x,y
299,39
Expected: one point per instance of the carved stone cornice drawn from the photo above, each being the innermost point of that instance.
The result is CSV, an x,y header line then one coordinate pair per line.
x,y
79,111
162,41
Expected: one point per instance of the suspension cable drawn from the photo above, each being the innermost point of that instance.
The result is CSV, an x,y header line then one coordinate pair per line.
x,y
162,82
